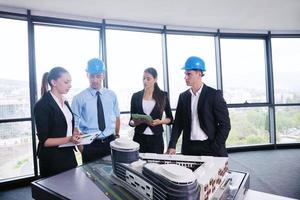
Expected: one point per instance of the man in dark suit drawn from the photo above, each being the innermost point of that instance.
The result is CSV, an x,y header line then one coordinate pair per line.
x,y
201,114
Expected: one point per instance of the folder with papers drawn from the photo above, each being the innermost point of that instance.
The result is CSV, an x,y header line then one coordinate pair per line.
x,y
85,139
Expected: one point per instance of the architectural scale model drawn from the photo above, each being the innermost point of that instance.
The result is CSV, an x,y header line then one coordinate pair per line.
x,y
162,176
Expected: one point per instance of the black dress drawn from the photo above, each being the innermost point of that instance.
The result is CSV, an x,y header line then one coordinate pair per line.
x,y
51,123
150,143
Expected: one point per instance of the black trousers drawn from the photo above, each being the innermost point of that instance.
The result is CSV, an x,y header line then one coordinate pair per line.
x,y
149,143
198,148
99,148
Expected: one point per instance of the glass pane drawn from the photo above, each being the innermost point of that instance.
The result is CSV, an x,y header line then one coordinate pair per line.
x,y
249,126
286,62
14,84
66,47
180,47
15,150
243,68
129,53
126,131
288,124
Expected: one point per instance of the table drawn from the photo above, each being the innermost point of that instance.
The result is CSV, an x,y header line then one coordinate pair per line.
x,y
78,184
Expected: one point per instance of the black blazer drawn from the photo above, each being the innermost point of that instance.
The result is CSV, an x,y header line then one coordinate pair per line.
x,y
137,108
51,123
213,117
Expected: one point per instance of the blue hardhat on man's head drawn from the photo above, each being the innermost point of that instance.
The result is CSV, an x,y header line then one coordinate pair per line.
x,y
194,63
95,66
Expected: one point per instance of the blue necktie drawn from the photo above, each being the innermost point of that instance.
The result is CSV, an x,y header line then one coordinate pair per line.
x,y
101,121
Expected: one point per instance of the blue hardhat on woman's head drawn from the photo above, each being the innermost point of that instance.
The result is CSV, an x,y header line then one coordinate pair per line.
x,y
194,63
95,66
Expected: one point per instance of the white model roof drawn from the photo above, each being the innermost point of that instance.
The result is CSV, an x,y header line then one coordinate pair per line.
x,y
124,144
175,173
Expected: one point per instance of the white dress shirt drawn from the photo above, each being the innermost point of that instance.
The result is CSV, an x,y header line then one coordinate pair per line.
x,y
148,106
67,113
196,132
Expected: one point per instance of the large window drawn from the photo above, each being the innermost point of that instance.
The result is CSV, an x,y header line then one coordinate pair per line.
x,y
286,70
243,70
249,126
65,47
180,47
16,150
129,53
244,83
288,124
69,48
286,53
15,137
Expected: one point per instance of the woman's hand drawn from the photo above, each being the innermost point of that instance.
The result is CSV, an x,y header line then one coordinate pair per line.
x,y
75,138
156,122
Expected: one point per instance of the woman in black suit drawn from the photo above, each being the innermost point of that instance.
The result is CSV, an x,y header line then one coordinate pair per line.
x,y
150,101
54,123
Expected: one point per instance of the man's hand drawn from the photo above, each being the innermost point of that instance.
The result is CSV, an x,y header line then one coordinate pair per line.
x,y
171,151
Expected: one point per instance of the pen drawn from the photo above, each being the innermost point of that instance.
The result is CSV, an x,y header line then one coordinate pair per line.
x,y
86,135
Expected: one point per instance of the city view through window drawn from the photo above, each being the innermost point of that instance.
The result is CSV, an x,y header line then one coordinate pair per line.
x,y
16,156
285,54
244,80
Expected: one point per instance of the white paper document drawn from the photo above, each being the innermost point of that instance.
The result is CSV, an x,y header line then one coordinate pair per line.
x,y
87,138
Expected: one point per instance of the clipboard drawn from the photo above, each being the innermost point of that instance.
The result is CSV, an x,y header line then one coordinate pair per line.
x,y
87,138
142,117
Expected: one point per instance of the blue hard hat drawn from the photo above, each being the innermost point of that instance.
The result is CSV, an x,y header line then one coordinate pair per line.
x,y
194,63
95,66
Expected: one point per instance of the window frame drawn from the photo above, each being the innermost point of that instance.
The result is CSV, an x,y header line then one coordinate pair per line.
x,y
164,30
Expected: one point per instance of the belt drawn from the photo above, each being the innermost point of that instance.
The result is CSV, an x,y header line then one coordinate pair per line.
x,y
110,137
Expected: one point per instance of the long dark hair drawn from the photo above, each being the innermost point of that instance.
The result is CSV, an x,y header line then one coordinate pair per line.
x,y
158,94
54,74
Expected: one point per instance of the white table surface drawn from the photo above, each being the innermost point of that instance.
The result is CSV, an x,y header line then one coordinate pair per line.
x,y
256,195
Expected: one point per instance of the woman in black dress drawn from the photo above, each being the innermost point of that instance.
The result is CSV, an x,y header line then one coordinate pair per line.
x,y
154,102
54,123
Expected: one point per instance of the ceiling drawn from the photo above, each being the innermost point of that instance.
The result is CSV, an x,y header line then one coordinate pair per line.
x,y
277,15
